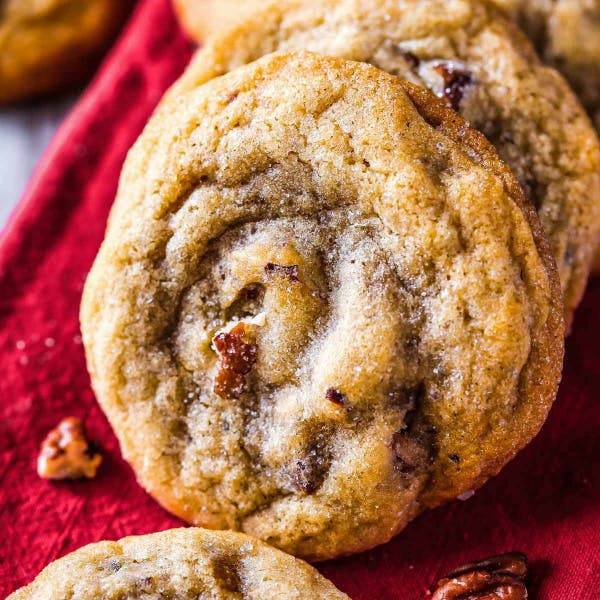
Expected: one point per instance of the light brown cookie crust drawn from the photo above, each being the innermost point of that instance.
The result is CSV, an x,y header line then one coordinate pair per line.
x,y
526,109
565,32
180,564
567,36
201,18
48,45
421,297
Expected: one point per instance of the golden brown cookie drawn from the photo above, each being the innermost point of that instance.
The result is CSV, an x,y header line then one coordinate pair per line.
x,y
470,55
565,32
200,18
322,305
47,45
567,35
181,564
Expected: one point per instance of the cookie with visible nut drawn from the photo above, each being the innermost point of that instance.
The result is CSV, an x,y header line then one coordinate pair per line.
x,y
477,61
400,318
48,45
566,33
180,564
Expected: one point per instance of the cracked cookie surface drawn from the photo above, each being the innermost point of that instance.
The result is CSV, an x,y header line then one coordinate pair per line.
x,y
565,32
466,52
181,564
47,45
322,305
567,36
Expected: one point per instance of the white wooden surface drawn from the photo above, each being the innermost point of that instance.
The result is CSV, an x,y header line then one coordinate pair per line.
x,y
25,131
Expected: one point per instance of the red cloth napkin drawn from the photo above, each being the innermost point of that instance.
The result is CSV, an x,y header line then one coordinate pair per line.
x,y
545,503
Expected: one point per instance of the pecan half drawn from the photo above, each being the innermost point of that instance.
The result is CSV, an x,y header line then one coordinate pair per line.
x,y
496,578
455,82
67,454
237,357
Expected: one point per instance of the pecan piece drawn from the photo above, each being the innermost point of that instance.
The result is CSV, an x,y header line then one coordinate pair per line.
x,y
336,397
455,82
309,465
67,454
237,357
496,578
305,476
408,453
290,272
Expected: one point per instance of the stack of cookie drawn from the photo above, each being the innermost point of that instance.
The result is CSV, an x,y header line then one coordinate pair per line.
x,y
335,284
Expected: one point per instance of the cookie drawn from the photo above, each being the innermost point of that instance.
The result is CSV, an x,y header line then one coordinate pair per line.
x,y
565,32
322,305
476,60
567,36
180,564
200,18
48,45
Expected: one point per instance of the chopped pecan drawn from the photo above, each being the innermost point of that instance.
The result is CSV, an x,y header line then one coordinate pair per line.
x,y
309,469
495,578
408,453
409,444
237,357
288,271
455,82
336,397
305,476
226,573
67,454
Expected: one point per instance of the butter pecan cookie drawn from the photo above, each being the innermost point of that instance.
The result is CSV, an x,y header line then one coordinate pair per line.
x,y
565,32
180,564
481,65
567,35
322,305
47,45
200,18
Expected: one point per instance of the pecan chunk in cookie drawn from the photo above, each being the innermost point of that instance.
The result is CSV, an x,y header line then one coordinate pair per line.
x,y
237,357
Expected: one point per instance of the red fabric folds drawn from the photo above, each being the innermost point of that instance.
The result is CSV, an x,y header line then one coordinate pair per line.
x,y
546,503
